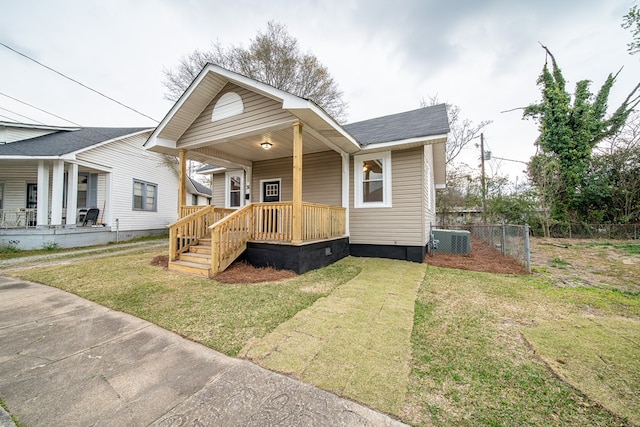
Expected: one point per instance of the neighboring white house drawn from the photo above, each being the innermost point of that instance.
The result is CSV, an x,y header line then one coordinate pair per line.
x,y
50,177
198,194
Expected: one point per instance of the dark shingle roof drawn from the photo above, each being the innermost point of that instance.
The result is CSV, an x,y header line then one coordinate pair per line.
x,y
200,188
418,123
64,142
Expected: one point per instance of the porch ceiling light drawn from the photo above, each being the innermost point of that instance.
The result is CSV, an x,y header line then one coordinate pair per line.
x,y
266,145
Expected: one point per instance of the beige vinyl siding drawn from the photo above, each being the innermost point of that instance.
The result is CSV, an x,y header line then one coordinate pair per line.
x,y
259,111
218,190
321,178
128,161
401,224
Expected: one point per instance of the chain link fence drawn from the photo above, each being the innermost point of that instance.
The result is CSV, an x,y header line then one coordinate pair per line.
x,y
592,231
510,240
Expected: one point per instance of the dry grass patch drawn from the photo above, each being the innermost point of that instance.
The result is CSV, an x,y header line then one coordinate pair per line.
x,y
356,341
598,355
471,365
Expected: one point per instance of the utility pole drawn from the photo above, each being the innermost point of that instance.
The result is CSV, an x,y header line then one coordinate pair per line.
x,y
482,181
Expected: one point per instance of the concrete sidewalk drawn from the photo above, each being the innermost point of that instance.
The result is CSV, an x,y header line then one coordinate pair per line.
x,y
67,361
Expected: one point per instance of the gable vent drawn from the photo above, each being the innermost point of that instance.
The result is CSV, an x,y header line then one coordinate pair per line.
x,y
229,105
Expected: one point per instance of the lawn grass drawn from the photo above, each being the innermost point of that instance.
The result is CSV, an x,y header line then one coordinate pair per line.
x,y
485,349
221,316
472,365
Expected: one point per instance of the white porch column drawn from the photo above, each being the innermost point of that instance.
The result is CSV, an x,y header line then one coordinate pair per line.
x,y
105,217
345,188
72,195
247,183
42,215
57,192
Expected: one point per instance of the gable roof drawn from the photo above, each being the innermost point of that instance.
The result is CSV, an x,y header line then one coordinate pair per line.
x,y
200,188
65,142
423,122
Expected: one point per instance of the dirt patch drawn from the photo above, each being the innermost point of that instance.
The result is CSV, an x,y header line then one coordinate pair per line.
x,y
241,272
592,263
160,261
483,258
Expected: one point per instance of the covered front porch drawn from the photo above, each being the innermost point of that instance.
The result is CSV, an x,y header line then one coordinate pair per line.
x,y
263,144
206,240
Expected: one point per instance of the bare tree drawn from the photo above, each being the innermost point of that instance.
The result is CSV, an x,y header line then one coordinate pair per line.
x,y
462,131
274,58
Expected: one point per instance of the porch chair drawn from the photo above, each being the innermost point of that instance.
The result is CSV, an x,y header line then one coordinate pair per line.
x,y
91,216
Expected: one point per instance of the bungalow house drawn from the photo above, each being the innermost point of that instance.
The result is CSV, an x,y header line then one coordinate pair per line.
x,y
293,188
197,194
73,186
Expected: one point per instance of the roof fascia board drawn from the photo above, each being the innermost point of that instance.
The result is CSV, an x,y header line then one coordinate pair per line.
x,y
90,165
100,144
35,126
178,104
431,139
25,157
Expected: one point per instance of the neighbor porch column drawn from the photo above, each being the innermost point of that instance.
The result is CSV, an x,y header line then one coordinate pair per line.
x,y
182,178
105,217
42,215
296,220
72,195
57,192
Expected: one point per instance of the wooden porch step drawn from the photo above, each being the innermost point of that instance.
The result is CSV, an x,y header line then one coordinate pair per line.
x,y
204,241
200,249
196,257
190,267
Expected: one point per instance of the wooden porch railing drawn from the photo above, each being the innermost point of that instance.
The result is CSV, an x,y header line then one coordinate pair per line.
x,y
270,222
193,225
322,221
230,229
229,238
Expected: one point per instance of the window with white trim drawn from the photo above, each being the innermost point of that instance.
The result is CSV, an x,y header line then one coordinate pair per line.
x,y
145,196
372,173
233,189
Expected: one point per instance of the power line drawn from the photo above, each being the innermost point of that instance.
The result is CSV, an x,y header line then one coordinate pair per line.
x,y
77,82
21,115
39,109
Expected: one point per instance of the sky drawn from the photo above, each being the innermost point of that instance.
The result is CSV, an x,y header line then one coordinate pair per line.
x,y
386,56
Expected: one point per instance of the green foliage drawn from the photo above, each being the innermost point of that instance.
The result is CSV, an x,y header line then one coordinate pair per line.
x,y
568,133
50,246
631,21
517,208
610,192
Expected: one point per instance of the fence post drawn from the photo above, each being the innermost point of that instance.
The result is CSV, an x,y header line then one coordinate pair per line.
x,y
503,238
527,247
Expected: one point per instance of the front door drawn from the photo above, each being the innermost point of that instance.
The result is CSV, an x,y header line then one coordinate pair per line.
x,y
271,191
270,194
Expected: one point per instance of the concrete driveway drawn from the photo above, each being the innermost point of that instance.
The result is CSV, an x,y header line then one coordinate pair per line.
x,y
66,361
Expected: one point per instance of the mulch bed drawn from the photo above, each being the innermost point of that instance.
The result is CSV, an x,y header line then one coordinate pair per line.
x,y
483,258
242,272
239,272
